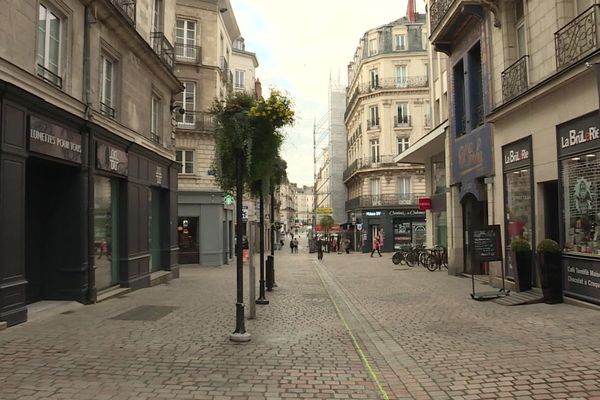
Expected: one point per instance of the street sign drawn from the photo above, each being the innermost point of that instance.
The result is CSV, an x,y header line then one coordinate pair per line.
x,y
324,210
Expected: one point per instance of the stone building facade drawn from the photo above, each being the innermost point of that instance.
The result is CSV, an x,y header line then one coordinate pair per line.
x,y
387,110
88,179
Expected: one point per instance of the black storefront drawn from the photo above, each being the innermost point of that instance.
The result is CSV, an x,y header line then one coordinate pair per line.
x,y
519,215
397,227
78,207
578,144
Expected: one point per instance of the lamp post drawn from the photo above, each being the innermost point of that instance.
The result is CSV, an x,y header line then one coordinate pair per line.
x,y
261,283
240,334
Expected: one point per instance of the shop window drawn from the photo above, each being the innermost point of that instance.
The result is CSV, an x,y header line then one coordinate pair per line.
x,y
581,208
105,231
518,205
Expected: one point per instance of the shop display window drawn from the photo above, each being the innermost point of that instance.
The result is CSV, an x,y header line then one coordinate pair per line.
x,y
518,205
581,208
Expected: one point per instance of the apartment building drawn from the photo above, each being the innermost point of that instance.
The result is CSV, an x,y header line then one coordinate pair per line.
x,y
537,94
88,184
305,200
387,110
286,205
206,31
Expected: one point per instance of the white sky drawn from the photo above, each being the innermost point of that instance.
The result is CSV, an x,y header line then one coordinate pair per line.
x,y
299,44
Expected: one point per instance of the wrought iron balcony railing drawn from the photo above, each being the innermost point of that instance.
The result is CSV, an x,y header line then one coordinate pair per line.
x,y
437,11
381,161
383,200
195,120
351,102
49,76
514,79
402,121
155,137
163,48
107,110
126,8
411,82
188,53
577,39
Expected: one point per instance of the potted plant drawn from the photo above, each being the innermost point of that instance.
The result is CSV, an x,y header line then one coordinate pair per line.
x,y
549,263
521,256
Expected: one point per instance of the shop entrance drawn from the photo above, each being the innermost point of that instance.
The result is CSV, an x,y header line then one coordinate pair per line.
x,y
53,219
106,243
187,233
474,215
551,211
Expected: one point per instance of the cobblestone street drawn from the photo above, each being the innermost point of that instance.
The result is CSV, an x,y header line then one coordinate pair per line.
x,y
421,335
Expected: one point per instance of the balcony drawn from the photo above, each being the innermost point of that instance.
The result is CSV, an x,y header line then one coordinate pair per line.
x,y
402,121
450,17
195,120
49,76
126,8
437,11
163,48
155,137
577,39
411,82
383,200
107,110
382,161
187,53
514,79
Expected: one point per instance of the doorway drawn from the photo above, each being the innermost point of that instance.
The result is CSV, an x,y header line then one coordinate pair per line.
x,y
53,218
551,211
155,231
474,215
106,243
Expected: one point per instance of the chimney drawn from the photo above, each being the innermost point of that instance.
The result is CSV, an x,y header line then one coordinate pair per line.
x,y
410,11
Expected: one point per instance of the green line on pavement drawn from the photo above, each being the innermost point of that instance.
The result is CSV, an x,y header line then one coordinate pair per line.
x,y
354,341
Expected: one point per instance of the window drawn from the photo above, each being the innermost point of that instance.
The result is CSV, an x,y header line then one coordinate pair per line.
x,y
186,159
185,39
373,47
520,28
374,76
373,117
427,116
404,189
48,46
400,42
403,144
475,76
401,76
458,73
157,16
402,118
155,119
375,192
375,151
187,101
240,79
107,86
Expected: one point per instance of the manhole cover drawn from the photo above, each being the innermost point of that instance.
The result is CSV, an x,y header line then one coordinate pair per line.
x,y
145,313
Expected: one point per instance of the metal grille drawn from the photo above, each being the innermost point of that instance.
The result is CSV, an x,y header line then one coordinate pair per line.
x,y
514,79
577,39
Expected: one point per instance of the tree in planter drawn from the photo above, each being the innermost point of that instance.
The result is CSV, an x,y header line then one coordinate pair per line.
x,y
326,222
549,263
521,256
278,176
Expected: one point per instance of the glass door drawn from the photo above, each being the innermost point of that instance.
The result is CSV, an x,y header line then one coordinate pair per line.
x,y
106,232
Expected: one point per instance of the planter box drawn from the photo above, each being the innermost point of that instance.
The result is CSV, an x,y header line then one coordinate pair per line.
x,y
522,265
550,266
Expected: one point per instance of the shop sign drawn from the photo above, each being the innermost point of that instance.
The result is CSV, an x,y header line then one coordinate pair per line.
x,y
484,243
373,213
424,203
111,159
159,175
581,134
53,140
473,155
324,210
407,213
517,154
582,278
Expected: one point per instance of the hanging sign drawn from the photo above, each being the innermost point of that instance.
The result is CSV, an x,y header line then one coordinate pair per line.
x,y
424,203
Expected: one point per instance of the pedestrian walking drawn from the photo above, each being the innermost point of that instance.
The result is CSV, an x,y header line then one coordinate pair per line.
x,y
319,249
292,245
295,245
347,245
376,245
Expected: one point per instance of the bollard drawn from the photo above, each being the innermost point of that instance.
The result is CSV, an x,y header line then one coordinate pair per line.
x,y
270,272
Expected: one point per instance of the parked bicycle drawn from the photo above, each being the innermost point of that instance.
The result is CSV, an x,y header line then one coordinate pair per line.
x,y
436,258
409,255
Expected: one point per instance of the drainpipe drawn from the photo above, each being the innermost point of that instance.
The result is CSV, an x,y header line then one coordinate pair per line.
x,y
89,161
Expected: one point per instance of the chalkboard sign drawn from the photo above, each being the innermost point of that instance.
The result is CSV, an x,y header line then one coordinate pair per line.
x,y
484,243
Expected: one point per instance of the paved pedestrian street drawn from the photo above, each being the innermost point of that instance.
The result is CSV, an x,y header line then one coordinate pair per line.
x,y
349,327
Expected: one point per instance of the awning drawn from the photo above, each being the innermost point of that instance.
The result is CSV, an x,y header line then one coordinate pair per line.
x,y
431,144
